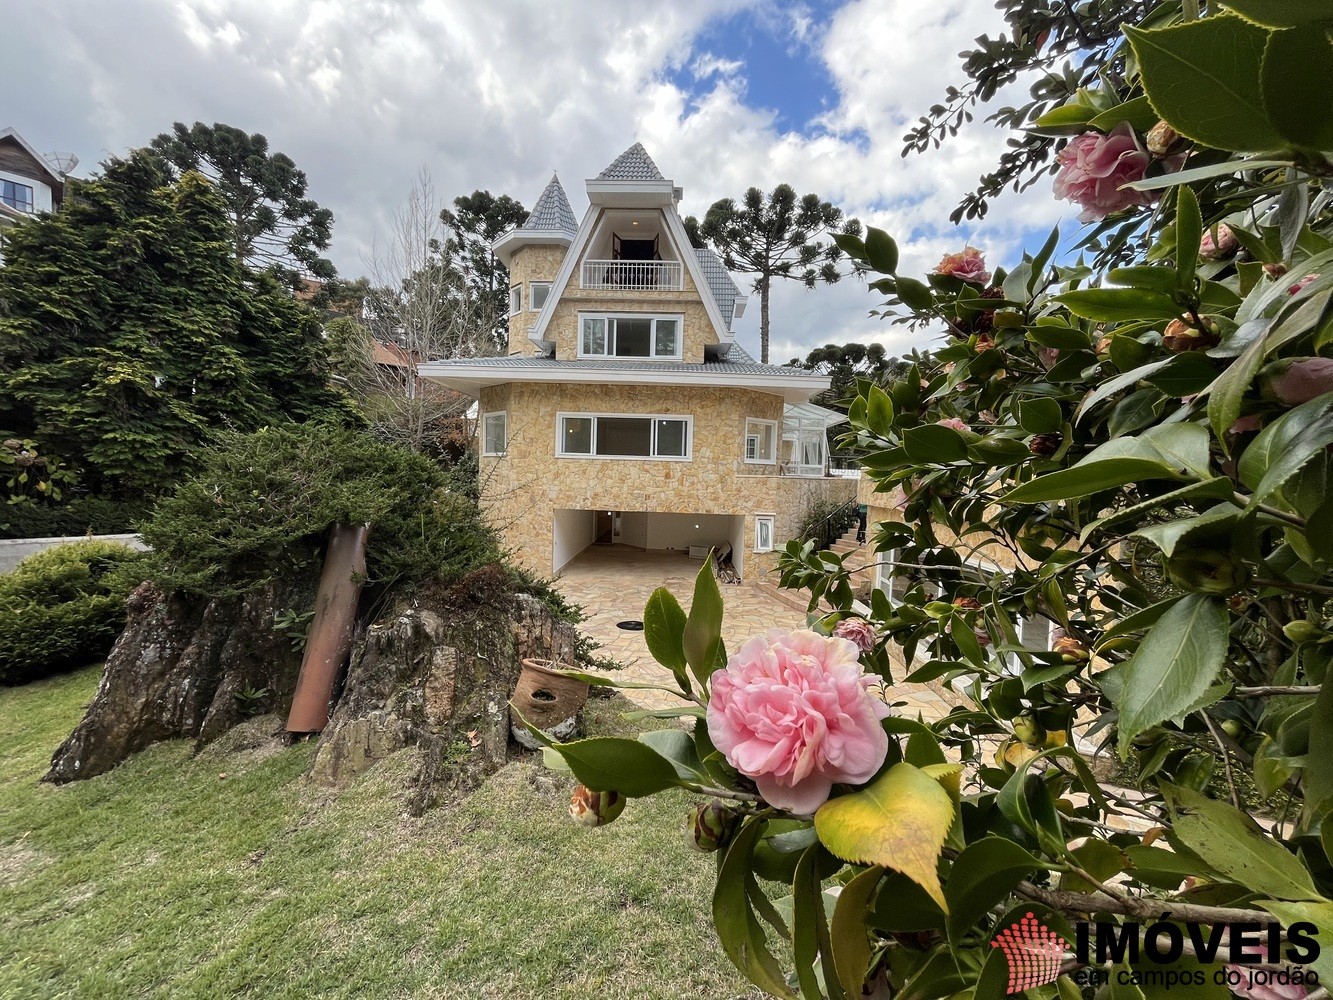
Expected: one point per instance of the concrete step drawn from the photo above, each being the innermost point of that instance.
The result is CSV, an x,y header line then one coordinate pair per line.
x,y
842,546
789,598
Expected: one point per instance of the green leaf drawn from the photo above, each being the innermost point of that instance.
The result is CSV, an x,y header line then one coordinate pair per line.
x,y
677,747
916,295
701,639
1282,13
612,764
1203,78
1138,113
1317,775
663,629
738,929
900,821
881,251
810,929
1174,665
934,444
1318,913
1040,416
1302,448
1214,525
1189,233
1223,169
1229,388
1233,844
1298,86
1099,859
848,932
1152,277
1068,119
1219,488
1043,258
879,412
1119,305
902,905
982,876
1118,384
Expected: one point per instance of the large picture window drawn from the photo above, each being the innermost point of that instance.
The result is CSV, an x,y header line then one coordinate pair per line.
x,y
656,338
615,435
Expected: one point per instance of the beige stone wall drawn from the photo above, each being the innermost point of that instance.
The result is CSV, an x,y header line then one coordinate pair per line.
x,y
522,489
528,264
564,327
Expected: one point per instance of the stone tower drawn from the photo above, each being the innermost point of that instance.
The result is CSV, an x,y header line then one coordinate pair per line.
x,y
533,253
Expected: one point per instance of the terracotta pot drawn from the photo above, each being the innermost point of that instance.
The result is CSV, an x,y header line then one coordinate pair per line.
x,y
548,700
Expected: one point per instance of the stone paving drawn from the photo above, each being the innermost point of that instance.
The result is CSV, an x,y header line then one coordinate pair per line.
x,y
613,582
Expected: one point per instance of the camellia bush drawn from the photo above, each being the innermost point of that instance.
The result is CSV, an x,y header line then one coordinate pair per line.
x,y
1146,807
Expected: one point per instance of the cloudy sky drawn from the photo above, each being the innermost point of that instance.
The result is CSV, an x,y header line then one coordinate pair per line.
x,y
496,94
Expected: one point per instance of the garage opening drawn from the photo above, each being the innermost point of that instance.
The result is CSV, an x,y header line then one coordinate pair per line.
x,y
691,535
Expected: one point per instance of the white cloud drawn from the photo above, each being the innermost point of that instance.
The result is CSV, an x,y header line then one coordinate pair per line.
x,y
361,93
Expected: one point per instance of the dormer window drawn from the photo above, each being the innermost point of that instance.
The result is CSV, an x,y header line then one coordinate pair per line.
x,y
652,338
16,195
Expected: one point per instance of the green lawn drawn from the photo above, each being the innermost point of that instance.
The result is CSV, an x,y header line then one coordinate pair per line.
x,y
222,875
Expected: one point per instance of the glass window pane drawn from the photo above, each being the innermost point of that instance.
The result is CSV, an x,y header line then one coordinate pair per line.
x,y
576,436
664,341
594,337
632,337
494,434
672,438
516,298
624,436
539,293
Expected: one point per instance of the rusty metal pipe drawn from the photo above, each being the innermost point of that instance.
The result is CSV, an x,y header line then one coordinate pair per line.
x,y
330,641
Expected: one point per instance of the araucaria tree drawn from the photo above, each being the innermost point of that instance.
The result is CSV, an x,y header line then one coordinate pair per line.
x,y
274,224
129,332
1139,803
475,222
779,235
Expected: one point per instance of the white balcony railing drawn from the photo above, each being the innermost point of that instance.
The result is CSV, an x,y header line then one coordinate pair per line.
x,y
656,275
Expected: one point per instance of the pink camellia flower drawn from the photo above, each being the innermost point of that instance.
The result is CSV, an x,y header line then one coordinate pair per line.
x,y
955,423
1225,245
857,630
1093,168
793,711
1301,380
968,264
1048,356
1251,990
1301,285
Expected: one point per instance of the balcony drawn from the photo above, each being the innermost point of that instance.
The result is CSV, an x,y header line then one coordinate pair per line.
x,y
648,275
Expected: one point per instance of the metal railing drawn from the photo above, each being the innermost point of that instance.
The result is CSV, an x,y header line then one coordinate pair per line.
x,y
793,469
832,525
665,275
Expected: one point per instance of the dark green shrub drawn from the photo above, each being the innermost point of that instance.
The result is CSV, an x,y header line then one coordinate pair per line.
x,y
73,518
261,505
63,608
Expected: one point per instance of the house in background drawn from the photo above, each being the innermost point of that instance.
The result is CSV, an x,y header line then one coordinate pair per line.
x,y
625,412
30,182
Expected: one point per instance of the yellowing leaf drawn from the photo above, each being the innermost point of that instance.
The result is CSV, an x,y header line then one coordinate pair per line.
x,y
899,822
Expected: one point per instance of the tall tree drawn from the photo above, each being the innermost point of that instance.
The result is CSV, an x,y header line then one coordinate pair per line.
x,y
129,332
778,236
274,224
844,364
476,221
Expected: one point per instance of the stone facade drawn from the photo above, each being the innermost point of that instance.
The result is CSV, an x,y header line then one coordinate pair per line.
x,y
536,262
523,489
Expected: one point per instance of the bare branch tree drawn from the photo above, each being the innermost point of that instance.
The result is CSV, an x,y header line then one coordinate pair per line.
x,y
420,308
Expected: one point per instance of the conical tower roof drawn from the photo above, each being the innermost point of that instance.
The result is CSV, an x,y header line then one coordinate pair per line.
x,y
634,164
552,211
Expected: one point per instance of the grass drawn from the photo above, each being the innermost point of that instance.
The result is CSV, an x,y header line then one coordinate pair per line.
x,y
223,875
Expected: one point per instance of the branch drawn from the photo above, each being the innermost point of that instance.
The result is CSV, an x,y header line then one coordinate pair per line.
x,y
1143,909
1265,690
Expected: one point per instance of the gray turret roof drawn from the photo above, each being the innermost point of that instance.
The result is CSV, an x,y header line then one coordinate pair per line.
x,y
725,292
634,164
552,211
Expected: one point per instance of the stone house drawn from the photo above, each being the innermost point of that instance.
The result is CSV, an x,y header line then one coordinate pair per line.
x,y
29,182
625,412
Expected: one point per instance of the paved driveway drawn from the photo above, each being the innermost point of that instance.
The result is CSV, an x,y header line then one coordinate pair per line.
x,y
613,582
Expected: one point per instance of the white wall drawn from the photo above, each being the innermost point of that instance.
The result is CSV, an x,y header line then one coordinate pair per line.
x,y
634,529
574,532
41,193
678,531
739,552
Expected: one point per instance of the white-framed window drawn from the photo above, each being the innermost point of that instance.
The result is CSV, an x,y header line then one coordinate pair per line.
x,y
763,532
16,195
896,587
494,433
761,441
623,435
515,299
640,335
538,293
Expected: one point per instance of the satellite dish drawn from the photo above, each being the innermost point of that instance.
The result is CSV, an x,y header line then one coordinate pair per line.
x,y
63,162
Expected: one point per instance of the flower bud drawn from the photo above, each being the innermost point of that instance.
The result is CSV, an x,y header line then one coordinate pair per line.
x,y
1181,336
1029,730
1103,348
1044,445
1162,139
1232,727
1225,245
985,343
591,808
967,603
1275,270
1206,571
1298,380
711,825
1070,649
1302,631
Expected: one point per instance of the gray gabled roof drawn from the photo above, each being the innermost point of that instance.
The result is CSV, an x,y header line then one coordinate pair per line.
x,y
725,292
552,211
738,363
634,164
